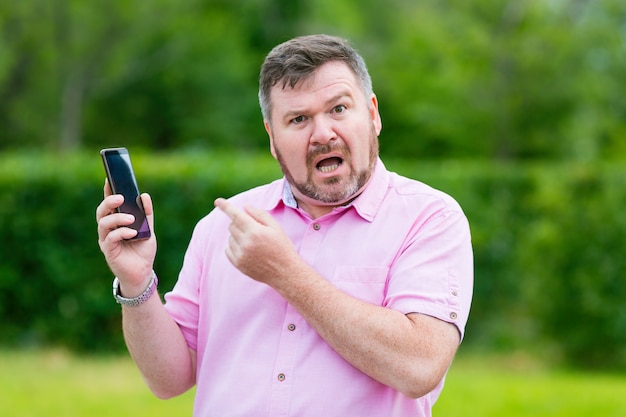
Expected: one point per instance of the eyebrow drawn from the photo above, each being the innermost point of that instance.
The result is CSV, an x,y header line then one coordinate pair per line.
x,y
337,97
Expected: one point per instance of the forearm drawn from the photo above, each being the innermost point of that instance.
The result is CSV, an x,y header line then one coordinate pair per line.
x,y
153,338
158,348
410,354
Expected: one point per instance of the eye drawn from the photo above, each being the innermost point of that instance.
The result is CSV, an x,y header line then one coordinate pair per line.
x,y
339,109
298,119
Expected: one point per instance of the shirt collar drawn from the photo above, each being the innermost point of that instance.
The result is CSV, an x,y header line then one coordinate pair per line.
x,y
370,200
288,198
366,205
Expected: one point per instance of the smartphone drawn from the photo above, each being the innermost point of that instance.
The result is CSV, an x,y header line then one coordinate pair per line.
x,y
121,176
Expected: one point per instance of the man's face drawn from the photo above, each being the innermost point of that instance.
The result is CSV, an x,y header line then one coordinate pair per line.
x,y
324,134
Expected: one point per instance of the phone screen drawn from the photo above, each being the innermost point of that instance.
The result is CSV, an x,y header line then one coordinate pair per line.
x,y
122,180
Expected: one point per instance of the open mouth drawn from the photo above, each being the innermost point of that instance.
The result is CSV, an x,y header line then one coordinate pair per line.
x,y
329,164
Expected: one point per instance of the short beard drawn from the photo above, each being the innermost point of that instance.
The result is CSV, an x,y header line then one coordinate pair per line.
x,y
336,192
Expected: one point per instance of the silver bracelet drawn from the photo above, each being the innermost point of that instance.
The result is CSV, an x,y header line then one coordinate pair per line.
x,y
141,298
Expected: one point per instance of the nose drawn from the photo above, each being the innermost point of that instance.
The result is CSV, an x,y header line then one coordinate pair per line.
x,y
323,131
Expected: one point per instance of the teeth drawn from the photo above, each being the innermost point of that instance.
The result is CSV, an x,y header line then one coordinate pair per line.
x,y
329,168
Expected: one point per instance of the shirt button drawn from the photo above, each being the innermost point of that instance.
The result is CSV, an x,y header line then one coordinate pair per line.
x,y
453,316
291,327
317,226
281,377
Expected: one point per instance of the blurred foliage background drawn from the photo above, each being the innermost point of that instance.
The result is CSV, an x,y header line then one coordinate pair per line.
x,y
516,108
482,79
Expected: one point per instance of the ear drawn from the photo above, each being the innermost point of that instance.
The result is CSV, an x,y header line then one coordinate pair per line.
x,y
375,115
268,129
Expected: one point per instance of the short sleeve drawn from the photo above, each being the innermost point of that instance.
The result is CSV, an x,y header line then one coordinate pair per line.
x,y
434,274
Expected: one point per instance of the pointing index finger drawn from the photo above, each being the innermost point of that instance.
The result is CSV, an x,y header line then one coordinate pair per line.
x,y
229,209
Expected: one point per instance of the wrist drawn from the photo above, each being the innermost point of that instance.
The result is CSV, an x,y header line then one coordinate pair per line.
x,y
129,287
142,294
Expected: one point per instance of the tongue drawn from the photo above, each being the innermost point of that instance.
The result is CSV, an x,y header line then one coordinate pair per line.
x,y
329,162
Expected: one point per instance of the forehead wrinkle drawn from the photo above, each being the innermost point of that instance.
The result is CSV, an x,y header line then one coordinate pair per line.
x,y
299,108
332,76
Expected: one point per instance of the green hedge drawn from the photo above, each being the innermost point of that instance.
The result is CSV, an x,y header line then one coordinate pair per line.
x,y
548,244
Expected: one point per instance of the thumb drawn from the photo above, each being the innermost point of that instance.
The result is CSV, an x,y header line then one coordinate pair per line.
x,y
146,201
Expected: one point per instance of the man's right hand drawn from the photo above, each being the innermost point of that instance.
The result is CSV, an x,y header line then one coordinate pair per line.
x,y
130,261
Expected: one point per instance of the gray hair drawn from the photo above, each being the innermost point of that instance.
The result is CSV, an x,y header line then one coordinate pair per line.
x,y
297,59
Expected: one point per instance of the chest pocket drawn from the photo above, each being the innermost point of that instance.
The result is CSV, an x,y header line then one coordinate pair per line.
x,y
366,283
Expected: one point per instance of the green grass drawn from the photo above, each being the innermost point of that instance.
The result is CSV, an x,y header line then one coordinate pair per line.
x,y
519,387
54,383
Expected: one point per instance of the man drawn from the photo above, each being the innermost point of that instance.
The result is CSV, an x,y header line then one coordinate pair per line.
x,y
340,290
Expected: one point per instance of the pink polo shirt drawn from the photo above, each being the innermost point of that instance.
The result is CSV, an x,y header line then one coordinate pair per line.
x,y
400,244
